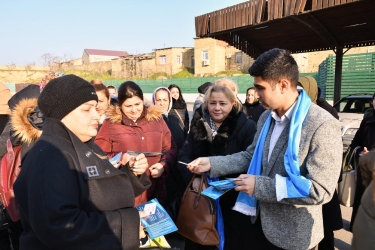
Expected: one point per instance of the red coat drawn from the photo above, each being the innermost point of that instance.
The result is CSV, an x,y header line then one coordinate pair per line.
x,y
148,134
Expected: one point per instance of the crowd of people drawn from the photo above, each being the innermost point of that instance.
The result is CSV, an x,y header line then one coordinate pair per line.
x,y
282,147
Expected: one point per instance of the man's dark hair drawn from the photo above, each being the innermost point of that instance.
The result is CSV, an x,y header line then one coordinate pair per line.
x,y
274,65
127,90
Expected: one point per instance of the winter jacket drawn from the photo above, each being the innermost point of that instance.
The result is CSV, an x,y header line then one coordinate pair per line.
x,y
26,121
180,112
365,137
148,134
332,218
253,111
364,224
71,197
235,134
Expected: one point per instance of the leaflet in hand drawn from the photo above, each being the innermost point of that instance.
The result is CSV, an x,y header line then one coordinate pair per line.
x,y
157,222
218,188
116,160
223,184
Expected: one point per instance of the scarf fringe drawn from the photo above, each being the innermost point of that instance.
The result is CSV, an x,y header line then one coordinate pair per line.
x,y
245,209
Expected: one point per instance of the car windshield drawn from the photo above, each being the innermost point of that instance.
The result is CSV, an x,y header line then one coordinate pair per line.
x,y
354,105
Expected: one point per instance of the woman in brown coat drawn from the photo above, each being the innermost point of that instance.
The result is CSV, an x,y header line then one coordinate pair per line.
x,y
132,126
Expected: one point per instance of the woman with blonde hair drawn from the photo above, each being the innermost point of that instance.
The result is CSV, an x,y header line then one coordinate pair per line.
x,y
229,83
219,127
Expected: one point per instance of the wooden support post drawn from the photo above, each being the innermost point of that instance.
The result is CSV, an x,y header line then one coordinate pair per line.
x,y
338,73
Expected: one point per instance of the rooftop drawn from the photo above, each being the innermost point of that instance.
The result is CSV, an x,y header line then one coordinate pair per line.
x,y
106,52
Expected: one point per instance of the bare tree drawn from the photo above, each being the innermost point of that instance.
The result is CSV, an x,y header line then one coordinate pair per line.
x,y
28,67
49,59
66,58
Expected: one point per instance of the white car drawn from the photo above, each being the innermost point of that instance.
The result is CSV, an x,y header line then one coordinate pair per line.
x,y
351,110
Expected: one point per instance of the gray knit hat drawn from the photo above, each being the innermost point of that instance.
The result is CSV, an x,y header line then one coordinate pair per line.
x,y
64,94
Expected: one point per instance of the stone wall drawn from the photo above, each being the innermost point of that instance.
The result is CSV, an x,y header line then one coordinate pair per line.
x,y
98,67
22,74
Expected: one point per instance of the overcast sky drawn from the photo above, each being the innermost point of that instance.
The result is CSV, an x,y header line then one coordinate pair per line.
x,y
31,28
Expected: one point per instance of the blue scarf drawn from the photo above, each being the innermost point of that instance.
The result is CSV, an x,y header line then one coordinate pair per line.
x,y
219,225
293,186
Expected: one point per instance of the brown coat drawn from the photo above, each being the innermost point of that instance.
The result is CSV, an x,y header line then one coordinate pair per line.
x,y
148,134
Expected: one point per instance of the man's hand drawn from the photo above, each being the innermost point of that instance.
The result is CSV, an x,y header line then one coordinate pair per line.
x,y
200,165
138,164
365,151
245,183
156,170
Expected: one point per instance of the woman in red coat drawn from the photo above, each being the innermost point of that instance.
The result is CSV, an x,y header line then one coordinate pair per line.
x,y
133,126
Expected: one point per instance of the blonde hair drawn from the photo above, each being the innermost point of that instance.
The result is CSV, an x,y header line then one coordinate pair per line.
x,y
229,83
237,106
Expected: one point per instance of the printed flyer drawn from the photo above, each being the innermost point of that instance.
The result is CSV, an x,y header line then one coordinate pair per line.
x,y
157,222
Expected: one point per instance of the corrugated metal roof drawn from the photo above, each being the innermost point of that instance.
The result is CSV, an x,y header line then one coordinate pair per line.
x,y
351,24
102,52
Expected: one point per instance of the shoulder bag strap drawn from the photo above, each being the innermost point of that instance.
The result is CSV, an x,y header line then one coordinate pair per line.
x,y
179,116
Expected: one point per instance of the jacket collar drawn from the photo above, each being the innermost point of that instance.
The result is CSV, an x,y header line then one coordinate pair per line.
x,y
21,124
93,163
202,131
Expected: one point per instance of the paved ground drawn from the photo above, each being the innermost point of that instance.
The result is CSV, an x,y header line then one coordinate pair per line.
x,y
343,238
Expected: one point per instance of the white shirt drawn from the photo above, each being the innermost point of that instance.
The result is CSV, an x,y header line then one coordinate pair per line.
x,y
280,124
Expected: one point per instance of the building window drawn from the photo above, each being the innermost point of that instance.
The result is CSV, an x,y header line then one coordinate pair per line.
x,y
204,55
192,62
239,57
178,59
163,59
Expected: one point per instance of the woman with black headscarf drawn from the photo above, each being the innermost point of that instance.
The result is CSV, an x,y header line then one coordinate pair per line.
x,y
179,106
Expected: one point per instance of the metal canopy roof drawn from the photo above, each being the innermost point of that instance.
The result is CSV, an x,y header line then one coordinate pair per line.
x,y
300,26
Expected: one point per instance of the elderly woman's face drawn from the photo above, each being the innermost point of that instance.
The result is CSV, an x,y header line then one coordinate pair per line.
x,y
219,107
132,107
162,100
83,121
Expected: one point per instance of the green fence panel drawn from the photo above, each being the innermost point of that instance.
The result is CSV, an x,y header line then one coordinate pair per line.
x,y
187,85
358,75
